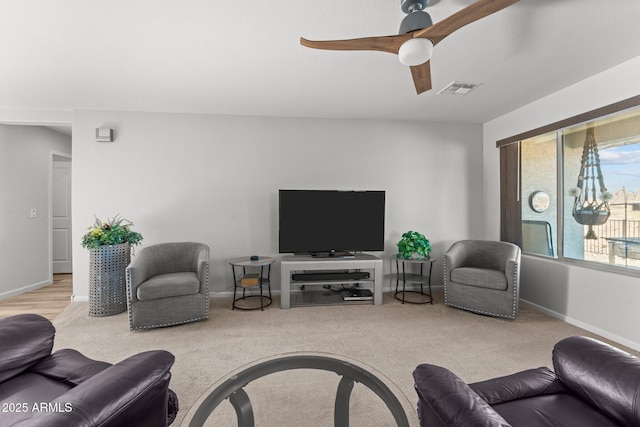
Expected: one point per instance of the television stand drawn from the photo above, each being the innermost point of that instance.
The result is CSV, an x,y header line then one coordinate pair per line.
x,y
293,264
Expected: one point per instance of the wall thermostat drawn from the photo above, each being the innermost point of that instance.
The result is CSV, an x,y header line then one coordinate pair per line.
x,y
104,135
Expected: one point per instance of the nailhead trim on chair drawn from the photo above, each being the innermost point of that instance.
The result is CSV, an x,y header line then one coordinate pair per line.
x,y
206,312
129,298
444,266
515,290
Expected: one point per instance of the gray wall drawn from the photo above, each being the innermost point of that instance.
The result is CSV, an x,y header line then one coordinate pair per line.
x,y
25,171
215,179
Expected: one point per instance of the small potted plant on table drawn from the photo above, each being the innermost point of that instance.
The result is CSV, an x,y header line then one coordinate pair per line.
x,y
413,245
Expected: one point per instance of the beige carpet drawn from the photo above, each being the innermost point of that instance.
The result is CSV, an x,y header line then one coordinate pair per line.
x,y
390,340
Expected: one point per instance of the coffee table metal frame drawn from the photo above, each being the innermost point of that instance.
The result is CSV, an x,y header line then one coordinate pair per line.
x,y
233,389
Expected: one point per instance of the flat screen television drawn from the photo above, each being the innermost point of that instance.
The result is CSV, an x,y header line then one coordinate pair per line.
x,y
331,222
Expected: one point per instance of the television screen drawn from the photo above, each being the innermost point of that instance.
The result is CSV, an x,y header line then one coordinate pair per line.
x,y
318,221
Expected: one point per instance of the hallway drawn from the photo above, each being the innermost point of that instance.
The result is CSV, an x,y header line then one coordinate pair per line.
x,y
48,301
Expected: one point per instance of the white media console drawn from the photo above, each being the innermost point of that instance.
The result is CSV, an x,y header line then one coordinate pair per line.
x,y
293,264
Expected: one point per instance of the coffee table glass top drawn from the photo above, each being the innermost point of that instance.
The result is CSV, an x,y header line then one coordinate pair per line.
x,y
303,387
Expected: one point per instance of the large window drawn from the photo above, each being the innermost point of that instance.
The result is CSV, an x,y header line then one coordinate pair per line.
x,y
577,188
602,216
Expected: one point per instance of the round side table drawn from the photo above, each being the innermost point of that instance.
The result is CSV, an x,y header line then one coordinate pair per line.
x,y
413,271
248,274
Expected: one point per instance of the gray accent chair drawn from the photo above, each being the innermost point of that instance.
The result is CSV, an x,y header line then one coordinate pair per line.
x,y
483,276
168,284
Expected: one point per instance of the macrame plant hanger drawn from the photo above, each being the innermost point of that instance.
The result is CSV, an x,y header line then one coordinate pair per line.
x,y
591,205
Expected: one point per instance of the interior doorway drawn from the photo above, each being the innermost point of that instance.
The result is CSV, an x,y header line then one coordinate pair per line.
x,y
61,236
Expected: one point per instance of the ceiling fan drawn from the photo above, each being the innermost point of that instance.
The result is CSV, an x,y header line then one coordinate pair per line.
x,y
417,36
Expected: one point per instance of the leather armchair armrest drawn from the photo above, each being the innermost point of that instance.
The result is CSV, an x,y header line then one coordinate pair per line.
x,y
532,382
69,366
25,339
452,400
133,392
605,376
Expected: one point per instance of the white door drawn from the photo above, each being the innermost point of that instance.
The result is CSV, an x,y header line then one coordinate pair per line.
x,y
61,216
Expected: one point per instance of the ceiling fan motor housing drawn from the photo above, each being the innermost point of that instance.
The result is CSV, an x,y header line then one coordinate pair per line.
x,y
415,21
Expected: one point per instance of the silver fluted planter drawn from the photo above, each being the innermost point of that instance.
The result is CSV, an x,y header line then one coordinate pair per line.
x,y
107,279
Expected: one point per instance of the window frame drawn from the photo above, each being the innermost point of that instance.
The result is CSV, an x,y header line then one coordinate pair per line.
x,y
510,203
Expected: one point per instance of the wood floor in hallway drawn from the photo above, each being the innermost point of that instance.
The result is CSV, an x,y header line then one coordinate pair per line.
x,y
48,301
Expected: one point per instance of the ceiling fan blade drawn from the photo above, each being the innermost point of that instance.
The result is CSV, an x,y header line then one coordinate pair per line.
x,y
475,11
422,77
389,44
436,33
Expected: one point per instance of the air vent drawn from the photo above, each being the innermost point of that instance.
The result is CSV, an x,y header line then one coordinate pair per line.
x,y
458,88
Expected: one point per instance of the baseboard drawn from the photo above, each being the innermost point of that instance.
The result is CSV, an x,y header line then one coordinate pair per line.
x,y
586,326
28,288
79,298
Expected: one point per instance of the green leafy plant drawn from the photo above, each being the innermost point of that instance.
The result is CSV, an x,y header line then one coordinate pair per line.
x,y
411,243
113,231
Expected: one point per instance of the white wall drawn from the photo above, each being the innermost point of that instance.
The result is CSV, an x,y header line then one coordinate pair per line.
x,y
602,302
25,171
215,179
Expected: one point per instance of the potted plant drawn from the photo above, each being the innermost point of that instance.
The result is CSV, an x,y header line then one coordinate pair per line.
x,y
114,231
413,245
109,243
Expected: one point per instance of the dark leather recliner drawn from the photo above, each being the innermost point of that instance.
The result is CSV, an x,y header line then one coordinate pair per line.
x,y
65,388
594,385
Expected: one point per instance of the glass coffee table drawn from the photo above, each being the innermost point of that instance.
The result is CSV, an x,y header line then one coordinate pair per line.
x,y
299,388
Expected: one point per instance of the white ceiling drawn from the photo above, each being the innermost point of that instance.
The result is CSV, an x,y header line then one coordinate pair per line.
x,y
243,57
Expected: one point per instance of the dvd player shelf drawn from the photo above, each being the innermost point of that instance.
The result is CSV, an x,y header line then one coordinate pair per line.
x,y
308,277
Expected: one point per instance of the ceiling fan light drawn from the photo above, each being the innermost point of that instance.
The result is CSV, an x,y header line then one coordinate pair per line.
x,y
415,51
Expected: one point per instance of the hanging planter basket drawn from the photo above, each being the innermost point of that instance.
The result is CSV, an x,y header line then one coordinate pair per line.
x,y
107,279
590,206
591,216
